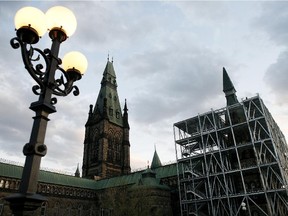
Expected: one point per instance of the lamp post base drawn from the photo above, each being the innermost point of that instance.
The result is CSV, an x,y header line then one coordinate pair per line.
x,y
25,204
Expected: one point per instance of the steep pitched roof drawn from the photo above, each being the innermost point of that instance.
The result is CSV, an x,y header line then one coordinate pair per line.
x,y
107,103
228,89
155,161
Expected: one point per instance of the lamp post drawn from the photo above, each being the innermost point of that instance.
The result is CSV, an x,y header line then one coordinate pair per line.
x,y
31,24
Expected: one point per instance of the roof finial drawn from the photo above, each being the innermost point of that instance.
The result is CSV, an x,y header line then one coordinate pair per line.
x,y
77,173
125,106
108,56
112,60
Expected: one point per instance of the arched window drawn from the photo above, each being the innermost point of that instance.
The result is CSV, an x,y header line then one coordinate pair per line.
x,y
12,185
57,208
2,183
7,184
117,114
80,207
43,209
110,111
68,210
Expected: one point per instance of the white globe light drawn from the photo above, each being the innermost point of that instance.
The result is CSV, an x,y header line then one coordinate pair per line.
x,y
31,17
75,60
59,17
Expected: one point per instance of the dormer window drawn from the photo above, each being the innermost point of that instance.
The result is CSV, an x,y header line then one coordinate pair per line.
x,y
110,111
117,114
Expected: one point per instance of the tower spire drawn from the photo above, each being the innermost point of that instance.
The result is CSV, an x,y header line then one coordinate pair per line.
x,y
108,100
106,143
77,172
228,89
125,116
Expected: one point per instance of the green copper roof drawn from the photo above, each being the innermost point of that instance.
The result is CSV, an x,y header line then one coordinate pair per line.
x,y
109,92
155,161
148,180
61,179
9,170
227,83
133,178
13,171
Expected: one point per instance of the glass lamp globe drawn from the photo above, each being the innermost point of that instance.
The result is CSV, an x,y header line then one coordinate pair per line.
x,y
61,18
30,23
75,62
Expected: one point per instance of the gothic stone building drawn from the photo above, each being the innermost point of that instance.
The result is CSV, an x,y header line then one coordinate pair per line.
x,y
231,161
107,186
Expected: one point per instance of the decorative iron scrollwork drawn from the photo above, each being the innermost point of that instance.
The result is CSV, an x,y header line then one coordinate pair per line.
x,y
38,63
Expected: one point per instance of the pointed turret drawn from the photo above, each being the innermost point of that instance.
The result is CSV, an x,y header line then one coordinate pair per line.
x,y
125,116
126,143
155,161
228,89
77,173
236,115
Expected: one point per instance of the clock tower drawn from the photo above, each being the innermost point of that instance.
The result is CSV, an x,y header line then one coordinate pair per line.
x,y
106,144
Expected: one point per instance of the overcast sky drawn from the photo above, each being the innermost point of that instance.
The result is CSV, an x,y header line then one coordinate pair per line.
x,y
168,58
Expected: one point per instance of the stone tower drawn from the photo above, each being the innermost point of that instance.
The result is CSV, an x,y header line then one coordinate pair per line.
x,y
106,144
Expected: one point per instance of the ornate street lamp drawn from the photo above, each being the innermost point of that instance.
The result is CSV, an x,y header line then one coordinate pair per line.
x,y
31,24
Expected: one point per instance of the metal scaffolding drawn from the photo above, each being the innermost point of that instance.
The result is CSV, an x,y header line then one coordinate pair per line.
x,y
232,161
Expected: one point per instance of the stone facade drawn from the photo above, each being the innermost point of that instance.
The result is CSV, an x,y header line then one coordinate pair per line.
x,y
130,194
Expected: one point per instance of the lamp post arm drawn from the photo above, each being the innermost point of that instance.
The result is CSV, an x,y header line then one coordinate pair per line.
x,y
28,56
44,72
67,83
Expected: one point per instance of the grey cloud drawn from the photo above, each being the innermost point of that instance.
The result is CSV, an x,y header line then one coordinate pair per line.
x,y
110,23
273,20
174,83
276,77
205,11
